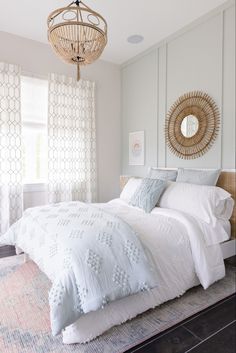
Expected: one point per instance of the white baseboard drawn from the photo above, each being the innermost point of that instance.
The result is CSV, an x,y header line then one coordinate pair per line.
x,y
228,248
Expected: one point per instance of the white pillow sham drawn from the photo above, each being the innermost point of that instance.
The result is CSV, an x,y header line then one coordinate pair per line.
x,y
130,188
208,203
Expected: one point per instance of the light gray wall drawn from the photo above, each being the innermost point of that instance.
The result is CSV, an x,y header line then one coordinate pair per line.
x,y
38,59
139,92
199,57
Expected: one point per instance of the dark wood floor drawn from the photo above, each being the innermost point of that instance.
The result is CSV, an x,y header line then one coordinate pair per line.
x,y
211,331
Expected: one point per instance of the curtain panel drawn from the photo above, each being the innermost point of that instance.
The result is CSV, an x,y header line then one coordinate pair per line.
x,y
11,190
71,140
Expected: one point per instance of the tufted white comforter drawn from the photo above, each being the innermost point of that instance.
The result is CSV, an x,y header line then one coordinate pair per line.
x,y
92,257
169,246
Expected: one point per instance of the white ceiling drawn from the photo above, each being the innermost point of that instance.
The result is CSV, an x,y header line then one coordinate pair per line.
x,y
153,19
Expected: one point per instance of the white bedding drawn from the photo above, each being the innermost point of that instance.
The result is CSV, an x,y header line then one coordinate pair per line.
x,y
91,256
182,258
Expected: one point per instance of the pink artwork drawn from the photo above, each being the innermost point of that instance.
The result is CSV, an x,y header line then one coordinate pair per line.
x,y
136,148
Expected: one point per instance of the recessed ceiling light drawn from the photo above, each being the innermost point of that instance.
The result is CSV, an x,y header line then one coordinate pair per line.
x,y
135,39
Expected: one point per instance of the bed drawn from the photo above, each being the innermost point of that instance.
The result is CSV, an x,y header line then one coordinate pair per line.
x,y
95,323
171,239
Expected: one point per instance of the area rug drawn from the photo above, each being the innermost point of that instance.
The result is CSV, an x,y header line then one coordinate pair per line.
x,y
24,313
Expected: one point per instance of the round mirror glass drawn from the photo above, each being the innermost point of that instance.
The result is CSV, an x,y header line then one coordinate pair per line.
x,y
189,126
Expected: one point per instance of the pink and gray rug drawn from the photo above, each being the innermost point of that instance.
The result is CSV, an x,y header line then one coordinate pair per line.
x,y
24,313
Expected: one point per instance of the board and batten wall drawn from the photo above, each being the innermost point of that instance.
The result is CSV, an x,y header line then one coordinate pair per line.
x,y
199,57
38,59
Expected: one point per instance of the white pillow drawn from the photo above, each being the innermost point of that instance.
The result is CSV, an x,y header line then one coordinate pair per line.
x,y
207,203
130,188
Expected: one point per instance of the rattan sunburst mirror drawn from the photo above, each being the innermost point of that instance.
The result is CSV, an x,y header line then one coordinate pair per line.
x,y
192,125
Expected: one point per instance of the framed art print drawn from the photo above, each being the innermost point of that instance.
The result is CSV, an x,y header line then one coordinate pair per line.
x,y
136,148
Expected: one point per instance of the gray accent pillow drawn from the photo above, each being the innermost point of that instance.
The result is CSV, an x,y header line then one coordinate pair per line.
x,y
148,193
200,176
163,174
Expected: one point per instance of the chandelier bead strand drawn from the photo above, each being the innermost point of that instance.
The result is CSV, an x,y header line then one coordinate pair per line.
x,y
77,34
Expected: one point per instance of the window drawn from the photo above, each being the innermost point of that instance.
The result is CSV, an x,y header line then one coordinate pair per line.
x,y
34,111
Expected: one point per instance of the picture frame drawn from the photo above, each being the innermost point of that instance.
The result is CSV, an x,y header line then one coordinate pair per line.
x,y
136,148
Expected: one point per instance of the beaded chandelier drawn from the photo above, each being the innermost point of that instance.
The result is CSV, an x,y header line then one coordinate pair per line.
x,y
77,34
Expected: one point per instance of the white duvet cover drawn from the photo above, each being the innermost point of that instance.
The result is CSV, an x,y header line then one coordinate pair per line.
x,y
182,261
91,256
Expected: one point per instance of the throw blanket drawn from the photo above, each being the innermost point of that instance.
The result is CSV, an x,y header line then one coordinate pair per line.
x,y
92,257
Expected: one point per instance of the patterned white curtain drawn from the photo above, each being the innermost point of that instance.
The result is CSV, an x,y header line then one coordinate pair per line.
x,y
11,192
71,140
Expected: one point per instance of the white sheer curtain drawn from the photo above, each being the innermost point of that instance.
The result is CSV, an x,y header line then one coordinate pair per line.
x,y
71,140
11,192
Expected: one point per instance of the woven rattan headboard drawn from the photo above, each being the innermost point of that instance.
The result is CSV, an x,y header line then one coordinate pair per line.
x,y
227,181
